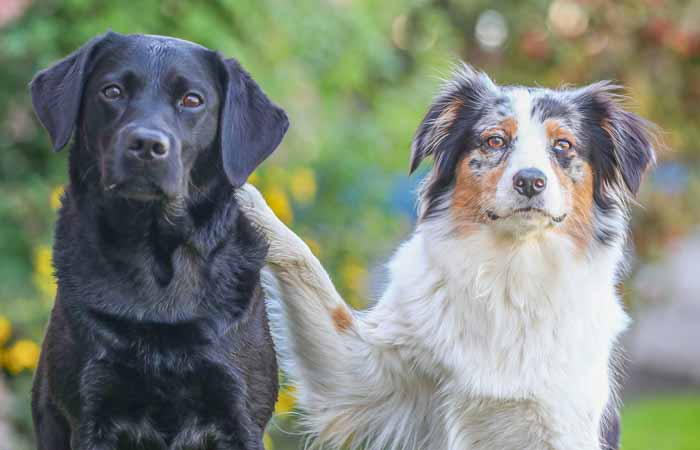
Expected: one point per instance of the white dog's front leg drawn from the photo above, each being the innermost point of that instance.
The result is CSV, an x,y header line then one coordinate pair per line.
x,y
347,383
285,247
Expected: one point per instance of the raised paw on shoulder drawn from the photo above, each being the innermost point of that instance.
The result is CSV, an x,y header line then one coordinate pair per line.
x,y
256,208
284,244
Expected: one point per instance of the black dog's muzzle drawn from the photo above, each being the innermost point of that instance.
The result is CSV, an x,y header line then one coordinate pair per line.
x,y
148,145
146,164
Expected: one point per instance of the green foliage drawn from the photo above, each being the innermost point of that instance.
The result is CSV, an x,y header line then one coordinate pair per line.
x,y
662,424
356,76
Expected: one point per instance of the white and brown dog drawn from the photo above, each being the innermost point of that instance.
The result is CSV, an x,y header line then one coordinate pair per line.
x,y
497,328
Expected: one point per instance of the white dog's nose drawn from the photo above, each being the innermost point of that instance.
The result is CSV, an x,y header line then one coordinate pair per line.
x,y
529,182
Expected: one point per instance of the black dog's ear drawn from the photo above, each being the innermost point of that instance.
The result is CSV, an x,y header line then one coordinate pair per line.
x,y
459,99
624,146
58,90
250,127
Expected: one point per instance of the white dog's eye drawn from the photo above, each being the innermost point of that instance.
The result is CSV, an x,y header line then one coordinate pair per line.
x,y
496,142
562,145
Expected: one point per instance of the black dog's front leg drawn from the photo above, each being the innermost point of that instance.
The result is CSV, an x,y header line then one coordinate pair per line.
x,y
207,441
112,415
116,434
213,437
51,429
237,432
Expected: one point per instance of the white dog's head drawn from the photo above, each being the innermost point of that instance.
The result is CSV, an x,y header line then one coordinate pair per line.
x,y
531,160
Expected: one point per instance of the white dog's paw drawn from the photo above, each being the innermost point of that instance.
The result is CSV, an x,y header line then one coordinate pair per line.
x,y
256,208
250,199
284,244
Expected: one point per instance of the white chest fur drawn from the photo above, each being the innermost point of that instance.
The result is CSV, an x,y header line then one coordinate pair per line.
x,y
519,332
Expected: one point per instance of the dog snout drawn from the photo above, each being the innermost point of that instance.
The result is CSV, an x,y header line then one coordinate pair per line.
x,y
147,144
144,161
530,182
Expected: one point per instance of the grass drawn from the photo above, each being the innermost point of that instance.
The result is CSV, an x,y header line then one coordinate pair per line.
x,y
669,423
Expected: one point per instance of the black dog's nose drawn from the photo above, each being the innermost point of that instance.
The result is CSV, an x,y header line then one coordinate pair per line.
x,y
529,182
148,144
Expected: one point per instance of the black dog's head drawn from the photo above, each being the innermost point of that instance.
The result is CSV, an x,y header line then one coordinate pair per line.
x,y
149,109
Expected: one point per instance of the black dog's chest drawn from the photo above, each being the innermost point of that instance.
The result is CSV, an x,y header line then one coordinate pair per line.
x,y
165,393
154,388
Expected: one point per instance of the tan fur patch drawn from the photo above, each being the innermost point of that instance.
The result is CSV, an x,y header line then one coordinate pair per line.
x,y
342,319
469,195
444,121
555,130
579,224
509,127
449,114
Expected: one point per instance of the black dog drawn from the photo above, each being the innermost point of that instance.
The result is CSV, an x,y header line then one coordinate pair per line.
x,y
158,338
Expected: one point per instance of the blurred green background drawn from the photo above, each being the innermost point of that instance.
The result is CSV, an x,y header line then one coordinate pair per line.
x,y
356,77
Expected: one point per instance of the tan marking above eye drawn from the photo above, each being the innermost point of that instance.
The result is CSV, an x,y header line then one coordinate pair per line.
x,y
507,127
510,127
498,136
557,132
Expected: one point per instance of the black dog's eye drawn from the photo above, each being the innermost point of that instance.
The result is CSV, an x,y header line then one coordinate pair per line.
x,y
496,142
112,92
192,100
562,145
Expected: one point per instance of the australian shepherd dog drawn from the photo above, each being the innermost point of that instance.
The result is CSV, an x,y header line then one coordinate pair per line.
x,y
498,327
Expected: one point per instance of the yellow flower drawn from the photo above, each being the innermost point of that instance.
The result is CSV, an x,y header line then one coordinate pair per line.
x,y
42,261
279,203
354,278
23,355
286,400
5,330
254,178
303,185
55,198
267,441
353,275
43,271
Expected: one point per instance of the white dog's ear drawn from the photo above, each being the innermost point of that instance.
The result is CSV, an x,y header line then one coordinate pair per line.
x,y
457,103
621,143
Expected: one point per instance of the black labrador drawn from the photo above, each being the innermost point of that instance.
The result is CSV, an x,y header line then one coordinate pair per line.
x,y
158,338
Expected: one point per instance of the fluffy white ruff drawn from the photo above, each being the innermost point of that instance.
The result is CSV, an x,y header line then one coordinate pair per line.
x,y
475,344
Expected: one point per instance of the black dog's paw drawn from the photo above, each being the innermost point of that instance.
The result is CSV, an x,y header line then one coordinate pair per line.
x,y
118,435
209,437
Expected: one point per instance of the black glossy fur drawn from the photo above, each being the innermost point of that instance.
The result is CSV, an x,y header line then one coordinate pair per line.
x,y
158,338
